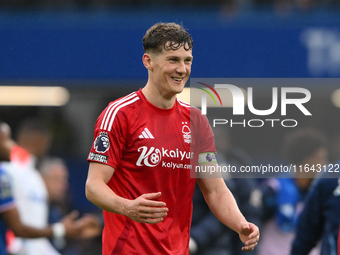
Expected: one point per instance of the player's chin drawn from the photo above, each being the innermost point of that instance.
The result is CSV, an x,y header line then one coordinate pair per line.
x,y
179,88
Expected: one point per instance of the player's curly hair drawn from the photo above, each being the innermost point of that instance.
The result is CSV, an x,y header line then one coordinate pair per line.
x,y
167,36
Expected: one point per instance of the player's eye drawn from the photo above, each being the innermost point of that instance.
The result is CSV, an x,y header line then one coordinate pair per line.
x,y
173,59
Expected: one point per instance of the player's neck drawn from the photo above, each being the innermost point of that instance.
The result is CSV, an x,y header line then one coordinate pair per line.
x,y
157,98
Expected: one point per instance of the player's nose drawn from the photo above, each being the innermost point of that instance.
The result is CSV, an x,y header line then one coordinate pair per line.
x,y
181,68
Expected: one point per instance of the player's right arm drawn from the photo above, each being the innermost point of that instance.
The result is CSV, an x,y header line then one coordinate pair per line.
x,y
143,209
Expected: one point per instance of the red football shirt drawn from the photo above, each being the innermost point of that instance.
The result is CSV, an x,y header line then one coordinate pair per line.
x,y
152,150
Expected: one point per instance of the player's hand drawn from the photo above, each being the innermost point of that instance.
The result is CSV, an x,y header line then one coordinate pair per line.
x,y
146,209
249,235
90,226
72,226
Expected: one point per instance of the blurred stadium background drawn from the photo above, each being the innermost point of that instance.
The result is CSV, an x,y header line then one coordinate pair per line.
x,y
93,49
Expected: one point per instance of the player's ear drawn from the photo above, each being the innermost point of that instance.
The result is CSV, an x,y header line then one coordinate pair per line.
x,y
147,61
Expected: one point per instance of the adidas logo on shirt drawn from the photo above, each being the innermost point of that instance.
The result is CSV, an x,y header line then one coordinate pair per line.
x,y
146,134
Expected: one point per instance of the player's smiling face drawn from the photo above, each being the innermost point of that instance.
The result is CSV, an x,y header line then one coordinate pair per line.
x,y
171,70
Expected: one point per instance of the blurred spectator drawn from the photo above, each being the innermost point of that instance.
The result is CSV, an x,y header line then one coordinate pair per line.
x,y
283,197
30,191
55,174
208,235
34,136
320,218
10,214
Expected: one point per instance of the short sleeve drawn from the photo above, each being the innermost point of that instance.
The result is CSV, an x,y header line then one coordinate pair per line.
x,y
109,140
206,137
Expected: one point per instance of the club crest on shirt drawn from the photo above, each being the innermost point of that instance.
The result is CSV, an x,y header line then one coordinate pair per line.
x,y
102,143
186,132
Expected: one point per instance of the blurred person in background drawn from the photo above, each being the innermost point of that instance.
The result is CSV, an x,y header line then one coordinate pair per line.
x,y
9,215
320,218
56,177
30,191
283,197
208,235
34,136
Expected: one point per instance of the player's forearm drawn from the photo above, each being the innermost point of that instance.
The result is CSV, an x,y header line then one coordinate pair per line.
x,y
14,223
222,203
29,232
102,196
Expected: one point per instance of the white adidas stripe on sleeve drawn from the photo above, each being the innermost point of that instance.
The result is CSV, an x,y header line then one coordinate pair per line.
x,y
112,107
118,108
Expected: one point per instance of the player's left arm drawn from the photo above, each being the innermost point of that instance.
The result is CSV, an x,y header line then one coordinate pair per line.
x,y
222,203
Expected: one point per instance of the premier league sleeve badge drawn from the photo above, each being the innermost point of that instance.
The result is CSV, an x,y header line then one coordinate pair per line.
x,y
102,143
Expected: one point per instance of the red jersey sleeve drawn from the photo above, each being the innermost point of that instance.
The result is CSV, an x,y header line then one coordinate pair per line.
x,y
202,132
206,136
109,138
